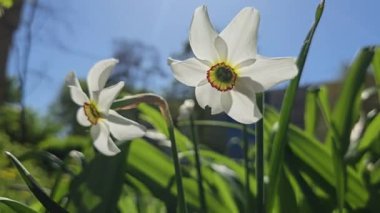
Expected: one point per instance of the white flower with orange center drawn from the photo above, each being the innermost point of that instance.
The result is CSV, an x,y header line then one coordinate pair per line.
x,y
226,71
106,124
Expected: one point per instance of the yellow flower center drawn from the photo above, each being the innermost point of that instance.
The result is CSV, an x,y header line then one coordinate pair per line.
x,y
222,77
91,112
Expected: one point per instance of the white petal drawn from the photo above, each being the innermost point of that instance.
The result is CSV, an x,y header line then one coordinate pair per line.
x,y
221,47
76,92
78,96
102,141
202,36
107,96
208,96
241,35
122,128
240,107
99,74
248,86
82,118
270,71
72,80
189,72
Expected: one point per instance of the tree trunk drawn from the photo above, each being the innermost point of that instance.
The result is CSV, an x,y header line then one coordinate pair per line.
x,y
8,25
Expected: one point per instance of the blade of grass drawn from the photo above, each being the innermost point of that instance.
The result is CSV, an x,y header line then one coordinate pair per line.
x,y
260,157
129,102
376,68
310,117
202,198
343,116
339,165
16,206
247,201
314,158
45,200
277,156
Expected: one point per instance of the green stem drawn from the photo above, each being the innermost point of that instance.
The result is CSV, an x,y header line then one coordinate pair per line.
x,y
198,166
247,170
260,157
133,101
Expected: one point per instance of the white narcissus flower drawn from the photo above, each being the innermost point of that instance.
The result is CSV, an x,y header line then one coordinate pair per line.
x,y
226,71
95,110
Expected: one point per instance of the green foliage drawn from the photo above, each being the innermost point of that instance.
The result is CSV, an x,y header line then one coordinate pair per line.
x,y
14,206
37,128
6,3
34,187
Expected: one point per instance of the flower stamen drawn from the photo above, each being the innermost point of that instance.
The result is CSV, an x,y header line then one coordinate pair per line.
x,y
222,77
91,112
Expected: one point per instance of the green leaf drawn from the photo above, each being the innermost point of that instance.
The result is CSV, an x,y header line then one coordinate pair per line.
x,y
310,117
277,156
231,164
98,187
16,206
155,169
313,158
371,135
6,3
48,203
376,65
154,117
345,114
287,199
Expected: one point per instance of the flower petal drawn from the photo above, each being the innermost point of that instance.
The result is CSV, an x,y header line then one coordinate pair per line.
x,y
78,96
99,74
206,95
76,92
107,96
270,71
248,86
102,141
241,35
189,72
122,128
72,80
240,107
202,36
82,118
221,48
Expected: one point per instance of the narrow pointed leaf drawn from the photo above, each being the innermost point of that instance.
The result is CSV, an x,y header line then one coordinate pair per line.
x,y
16,206
277,156
376,65
310,117
45,200
345,112
98,187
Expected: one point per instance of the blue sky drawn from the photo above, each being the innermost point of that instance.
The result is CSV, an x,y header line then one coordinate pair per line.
x,y
73,35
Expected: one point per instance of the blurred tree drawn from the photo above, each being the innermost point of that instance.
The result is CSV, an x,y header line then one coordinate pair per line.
x,y
139,66
9,22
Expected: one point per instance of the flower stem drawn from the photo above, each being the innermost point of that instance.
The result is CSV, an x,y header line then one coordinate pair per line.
x,y
198,166
133,101
260,157
246,166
